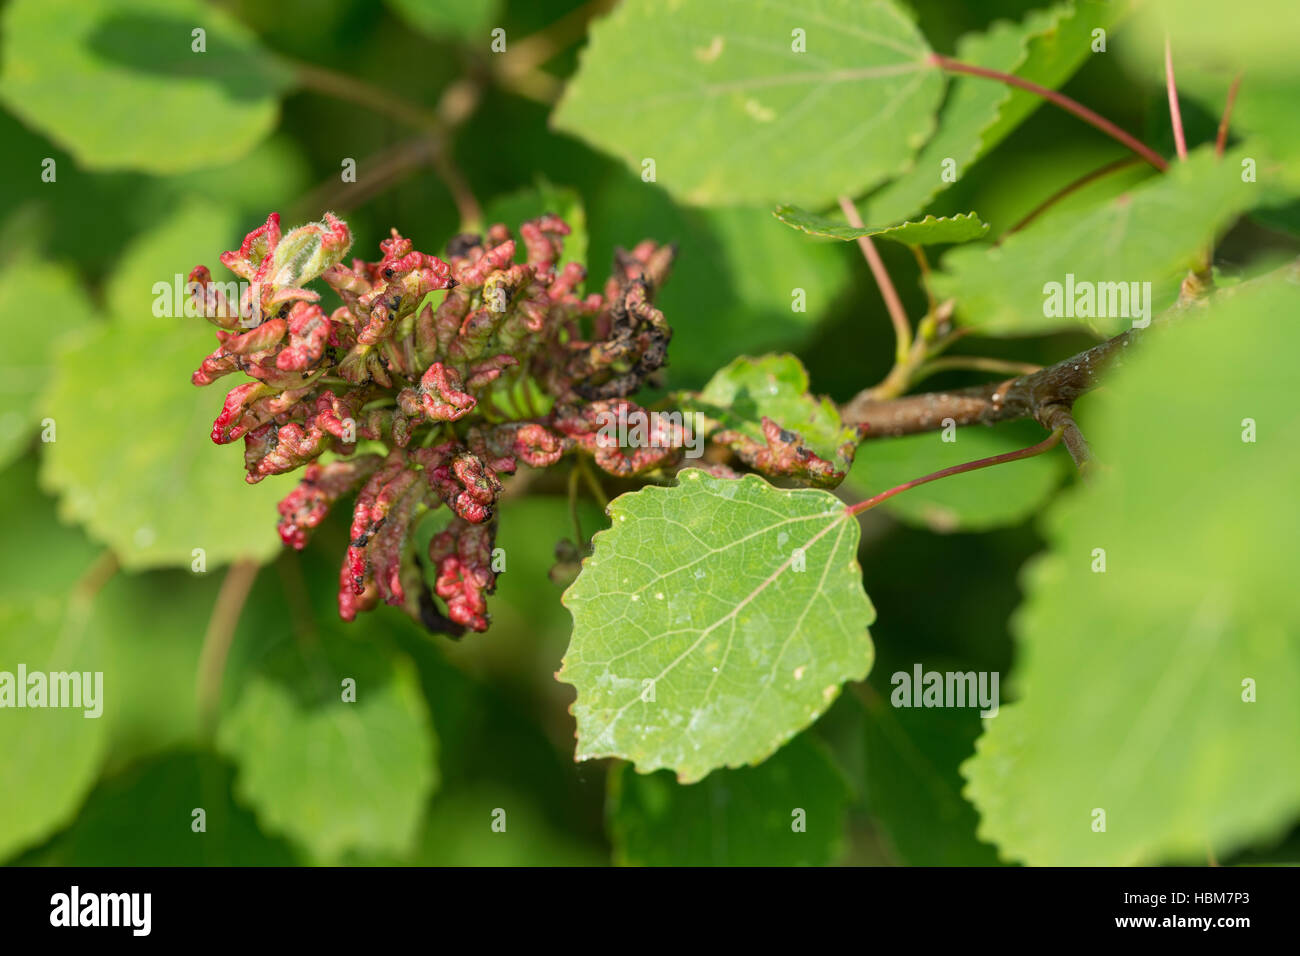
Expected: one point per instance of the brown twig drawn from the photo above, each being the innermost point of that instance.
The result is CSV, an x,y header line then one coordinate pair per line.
x,y
974,363
1059,99
455,105
593,483
81,599
519,70
341,86
536,85
220,635
897,315
377,172
467,207
1052,200
1059,418
1024,397
1028,396
574,475
1048,443
923,263
96,576
535,49
1221,140
1175,114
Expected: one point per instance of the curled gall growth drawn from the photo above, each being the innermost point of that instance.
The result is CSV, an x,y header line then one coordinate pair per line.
x,y
432,380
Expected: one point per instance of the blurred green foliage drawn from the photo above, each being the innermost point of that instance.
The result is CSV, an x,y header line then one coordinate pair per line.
x,y
128,159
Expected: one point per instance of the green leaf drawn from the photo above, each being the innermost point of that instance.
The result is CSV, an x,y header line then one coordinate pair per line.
x,y
976,501
153,669
468,20
519,207
671,84
1132,680
40,302
693,597
30,525
148,704
1249,36
972,107
913,788
490,825
145,817
132,460
89,219
1265,113
150,671
1046,48
1154,234
776,386
120,87
1261,113
929,231
1059,41
152,268
1023,180
340,776
49,757
270,175
787,812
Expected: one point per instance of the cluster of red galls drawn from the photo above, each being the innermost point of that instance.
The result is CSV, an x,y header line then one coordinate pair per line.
x,y
415,400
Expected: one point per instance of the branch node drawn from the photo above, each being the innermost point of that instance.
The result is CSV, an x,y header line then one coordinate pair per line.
x,y
1056,415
